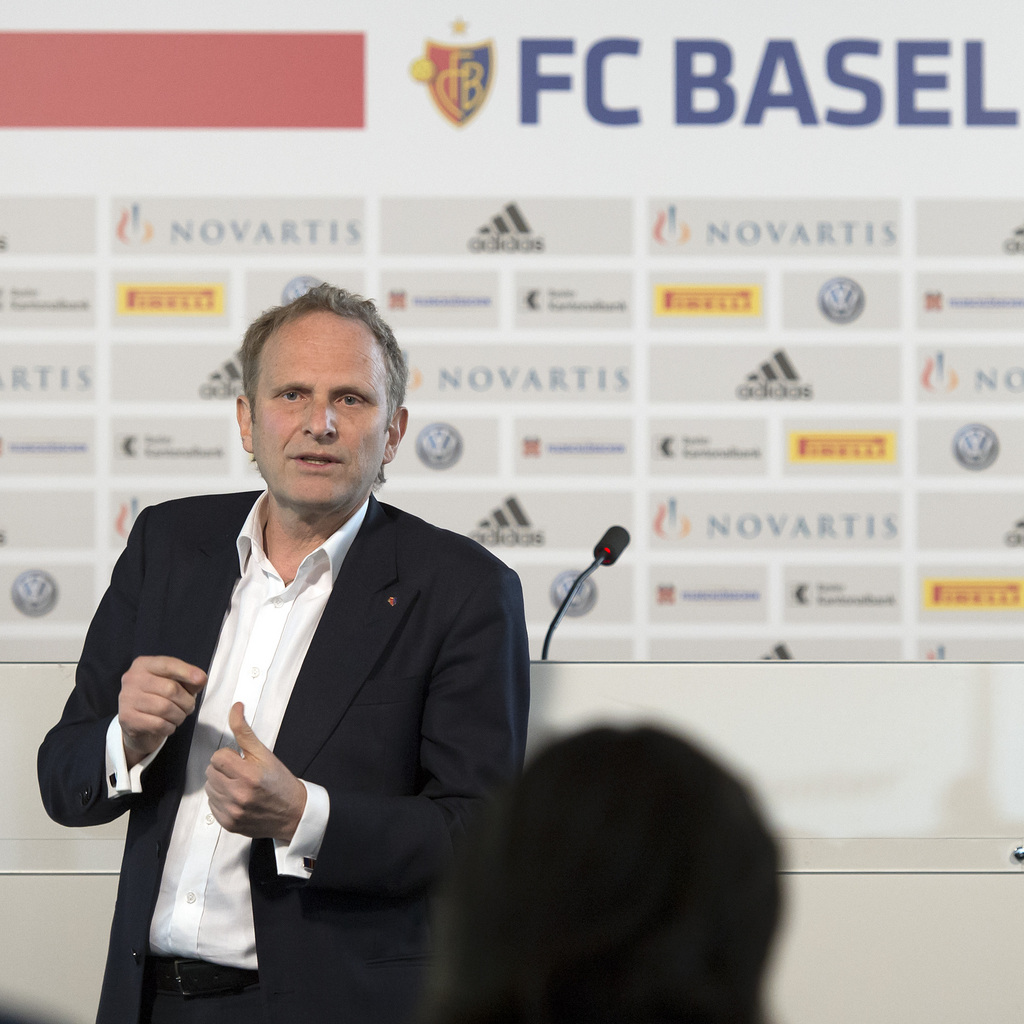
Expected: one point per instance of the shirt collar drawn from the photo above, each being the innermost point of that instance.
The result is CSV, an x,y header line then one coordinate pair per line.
x,y
335,548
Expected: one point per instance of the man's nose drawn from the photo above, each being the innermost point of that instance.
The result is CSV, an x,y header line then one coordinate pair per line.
x,y
321,420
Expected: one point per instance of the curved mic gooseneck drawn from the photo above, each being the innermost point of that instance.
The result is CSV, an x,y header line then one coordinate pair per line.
x,y
607,550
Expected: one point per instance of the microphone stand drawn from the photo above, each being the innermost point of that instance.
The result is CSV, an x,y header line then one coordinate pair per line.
x,y
564,606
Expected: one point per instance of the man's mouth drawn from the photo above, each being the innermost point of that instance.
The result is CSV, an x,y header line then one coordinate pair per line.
x,y
315,460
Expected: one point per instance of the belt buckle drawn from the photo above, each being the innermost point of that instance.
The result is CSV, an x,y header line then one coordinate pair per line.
x,y
182,977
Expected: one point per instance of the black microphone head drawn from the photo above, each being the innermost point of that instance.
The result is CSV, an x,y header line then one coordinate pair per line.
x,y
612,544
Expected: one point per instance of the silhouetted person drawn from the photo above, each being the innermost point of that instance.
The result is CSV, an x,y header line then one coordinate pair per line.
x,y
626,878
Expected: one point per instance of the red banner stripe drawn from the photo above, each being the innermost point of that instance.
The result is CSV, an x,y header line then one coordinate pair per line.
x,y
181,80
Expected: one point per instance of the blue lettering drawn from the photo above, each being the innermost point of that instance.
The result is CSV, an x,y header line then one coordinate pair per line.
x,y
800,528
688,82
719,526
239,230
748,232
748,526
718,234
596,57
532,380
984,380
908,81
868,88
532,81
449,379
211,232
780,51
974,58
182,231
1015,379
480,378
507,379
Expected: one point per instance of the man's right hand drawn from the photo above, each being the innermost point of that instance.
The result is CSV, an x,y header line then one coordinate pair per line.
x,y
157,695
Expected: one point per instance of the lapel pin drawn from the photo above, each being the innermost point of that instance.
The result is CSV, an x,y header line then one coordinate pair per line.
x,y
391,601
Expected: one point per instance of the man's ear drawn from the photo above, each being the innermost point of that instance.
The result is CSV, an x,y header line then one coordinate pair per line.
x,y
244,415
396,431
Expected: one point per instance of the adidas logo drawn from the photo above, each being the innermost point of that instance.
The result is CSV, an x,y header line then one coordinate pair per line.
x,y
507,231
775,378
508,526
225,382
780,652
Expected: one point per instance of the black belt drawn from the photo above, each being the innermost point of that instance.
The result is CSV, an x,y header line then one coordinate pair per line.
x,y
197,977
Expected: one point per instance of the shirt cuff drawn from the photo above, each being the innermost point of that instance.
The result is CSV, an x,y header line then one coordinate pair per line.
x,y
298,858
122,780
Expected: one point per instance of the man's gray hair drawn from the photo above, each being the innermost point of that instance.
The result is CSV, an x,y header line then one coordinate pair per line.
x,y
326,298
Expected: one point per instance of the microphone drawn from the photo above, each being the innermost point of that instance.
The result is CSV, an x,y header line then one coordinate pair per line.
x,y
611,545
606,551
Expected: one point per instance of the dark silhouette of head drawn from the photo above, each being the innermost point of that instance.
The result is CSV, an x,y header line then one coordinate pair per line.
x,y
626,878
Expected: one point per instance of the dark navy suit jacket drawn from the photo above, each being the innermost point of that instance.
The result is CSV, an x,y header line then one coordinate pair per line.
x,y
410,706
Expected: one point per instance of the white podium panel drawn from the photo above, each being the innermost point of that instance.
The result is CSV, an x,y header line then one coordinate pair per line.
x,y
861,767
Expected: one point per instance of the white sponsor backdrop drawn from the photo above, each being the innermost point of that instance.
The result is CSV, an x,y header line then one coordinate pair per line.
x,y
756,341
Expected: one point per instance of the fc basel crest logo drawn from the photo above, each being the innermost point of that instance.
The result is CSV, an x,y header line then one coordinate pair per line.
x,y
459,77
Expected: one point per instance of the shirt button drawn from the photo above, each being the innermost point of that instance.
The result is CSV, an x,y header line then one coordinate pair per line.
x,y
190,897
277,602
210,819
255,671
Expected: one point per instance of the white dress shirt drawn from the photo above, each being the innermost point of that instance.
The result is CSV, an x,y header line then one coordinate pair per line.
x,y
204,907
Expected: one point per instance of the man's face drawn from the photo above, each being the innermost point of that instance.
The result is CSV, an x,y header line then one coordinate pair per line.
x,y
320,432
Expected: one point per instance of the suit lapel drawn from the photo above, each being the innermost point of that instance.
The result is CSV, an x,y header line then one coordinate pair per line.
x,y
204,601
353,633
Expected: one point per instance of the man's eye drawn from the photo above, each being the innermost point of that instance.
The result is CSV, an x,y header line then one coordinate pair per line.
x,y
350,400
290,396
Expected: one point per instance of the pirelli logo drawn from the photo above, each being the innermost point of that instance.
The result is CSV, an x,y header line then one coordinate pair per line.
x,y
151,299
707,300
982,595
842,446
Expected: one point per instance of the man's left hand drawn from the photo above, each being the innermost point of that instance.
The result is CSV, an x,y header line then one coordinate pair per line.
x,y
252,792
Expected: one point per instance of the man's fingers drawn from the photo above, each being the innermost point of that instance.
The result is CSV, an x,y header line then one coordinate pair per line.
x,y
191,677
163,697
248,742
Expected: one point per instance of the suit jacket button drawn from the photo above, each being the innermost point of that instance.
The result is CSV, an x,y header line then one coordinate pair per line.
x,y
85,794
136,956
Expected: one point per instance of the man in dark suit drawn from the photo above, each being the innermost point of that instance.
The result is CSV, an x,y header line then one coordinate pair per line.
x,y
301,697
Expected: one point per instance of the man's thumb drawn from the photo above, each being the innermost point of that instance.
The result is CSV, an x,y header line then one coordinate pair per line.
x,y
248,742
